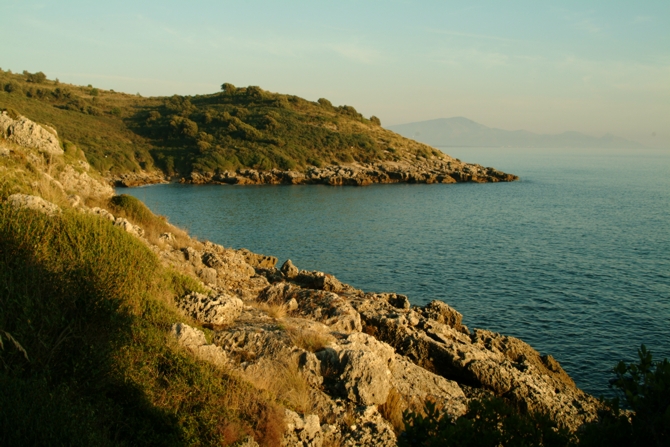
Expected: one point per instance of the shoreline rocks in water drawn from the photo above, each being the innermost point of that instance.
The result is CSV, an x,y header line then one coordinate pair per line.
x,y
435,170
373,346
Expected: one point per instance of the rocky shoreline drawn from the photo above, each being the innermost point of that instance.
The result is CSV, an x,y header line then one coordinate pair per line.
x,y
428,171
347,362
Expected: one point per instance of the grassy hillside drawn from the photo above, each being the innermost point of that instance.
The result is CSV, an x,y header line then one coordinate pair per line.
x,y
235,128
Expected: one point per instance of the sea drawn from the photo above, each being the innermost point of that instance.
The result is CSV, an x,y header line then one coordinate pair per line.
x,y
574,258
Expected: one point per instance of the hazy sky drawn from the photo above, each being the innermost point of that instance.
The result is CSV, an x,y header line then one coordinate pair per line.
x,y
591,66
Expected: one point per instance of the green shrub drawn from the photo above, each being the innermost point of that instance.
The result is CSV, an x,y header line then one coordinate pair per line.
x,y
37,78
645,388
487,423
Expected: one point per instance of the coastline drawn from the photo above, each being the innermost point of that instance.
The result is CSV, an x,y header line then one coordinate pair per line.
x,y
426,171
344,363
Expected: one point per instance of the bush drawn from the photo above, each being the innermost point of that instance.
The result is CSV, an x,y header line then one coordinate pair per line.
x,y
37,78
487,423
645,387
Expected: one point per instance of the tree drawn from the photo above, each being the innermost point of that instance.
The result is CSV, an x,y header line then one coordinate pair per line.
x,y
36,78
254,91
228,88
325,103
376,121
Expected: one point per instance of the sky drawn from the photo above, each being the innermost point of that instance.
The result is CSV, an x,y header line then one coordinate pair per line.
x,y
591,66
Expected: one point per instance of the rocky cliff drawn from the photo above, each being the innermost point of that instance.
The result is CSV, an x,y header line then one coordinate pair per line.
x,y
344,362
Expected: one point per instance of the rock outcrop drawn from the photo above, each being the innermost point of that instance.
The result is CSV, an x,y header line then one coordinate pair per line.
x,y
378,345
34,203
436,170
130,179
29,134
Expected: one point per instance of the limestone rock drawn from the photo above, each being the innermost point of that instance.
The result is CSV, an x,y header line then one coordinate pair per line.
x,y
503,365
141,178
229,264
360,367
128,227
194,340
218,310
442,313
101,212
417,385
258,261
443,169
302,431
168,238
83,184
208,275
33,203
289,270
27,133
74,200
328,308
193,256
371,429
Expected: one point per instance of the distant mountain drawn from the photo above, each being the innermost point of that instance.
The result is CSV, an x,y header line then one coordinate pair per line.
x,y
460,131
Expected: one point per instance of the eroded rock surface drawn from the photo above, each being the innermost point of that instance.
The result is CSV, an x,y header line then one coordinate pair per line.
x,y
27,133
219,310
34,203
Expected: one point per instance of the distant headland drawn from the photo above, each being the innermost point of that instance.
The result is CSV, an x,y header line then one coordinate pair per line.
x,y
240,135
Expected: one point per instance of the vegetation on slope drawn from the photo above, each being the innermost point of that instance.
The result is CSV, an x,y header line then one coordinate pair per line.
x,y
236,128
87,358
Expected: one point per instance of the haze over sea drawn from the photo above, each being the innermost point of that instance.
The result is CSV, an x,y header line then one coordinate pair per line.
x,y
573,259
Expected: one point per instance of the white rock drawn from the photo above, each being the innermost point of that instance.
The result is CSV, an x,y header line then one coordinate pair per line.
x,y
129,227
33,203
194,340
29,134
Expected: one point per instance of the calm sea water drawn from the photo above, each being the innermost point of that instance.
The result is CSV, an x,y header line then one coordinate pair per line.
x,y
574,258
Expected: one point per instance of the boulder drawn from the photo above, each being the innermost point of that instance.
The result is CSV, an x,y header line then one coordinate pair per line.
x,y
208,275
302,431
129,227
82,183
442,313
218,310
258,261
27,133
33,203
289,270
194,340
359,368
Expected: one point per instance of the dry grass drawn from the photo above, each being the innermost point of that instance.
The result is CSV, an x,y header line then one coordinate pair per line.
x,y
392,410
309,339
284,382
275,311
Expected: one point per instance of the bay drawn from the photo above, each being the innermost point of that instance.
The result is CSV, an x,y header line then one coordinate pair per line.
x,y
573,259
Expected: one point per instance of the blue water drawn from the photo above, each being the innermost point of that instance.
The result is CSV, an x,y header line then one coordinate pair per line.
x,y
574,258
